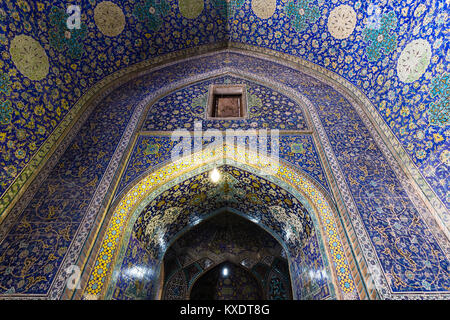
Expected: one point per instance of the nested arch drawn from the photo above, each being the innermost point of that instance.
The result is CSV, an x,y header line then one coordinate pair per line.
x,y
162,116
127,212
225,236
171,213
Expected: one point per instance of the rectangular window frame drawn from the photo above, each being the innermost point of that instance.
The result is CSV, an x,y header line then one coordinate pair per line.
x,y
227,89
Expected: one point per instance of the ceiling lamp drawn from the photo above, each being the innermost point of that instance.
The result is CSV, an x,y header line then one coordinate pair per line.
x,y
225,272
215,175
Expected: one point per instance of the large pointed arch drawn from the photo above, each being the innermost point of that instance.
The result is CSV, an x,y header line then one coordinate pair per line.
x,y
137,197
348,215
64,133
138,212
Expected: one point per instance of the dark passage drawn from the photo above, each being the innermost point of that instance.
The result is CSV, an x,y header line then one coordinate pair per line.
x,y
227,281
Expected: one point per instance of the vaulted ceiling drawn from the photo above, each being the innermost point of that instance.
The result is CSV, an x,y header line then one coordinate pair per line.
x,y
395,52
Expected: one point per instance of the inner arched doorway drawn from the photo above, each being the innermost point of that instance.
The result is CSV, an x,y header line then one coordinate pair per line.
x,y
226,257
227,281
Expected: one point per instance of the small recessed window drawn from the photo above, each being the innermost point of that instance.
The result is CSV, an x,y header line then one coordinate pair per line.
x,y
227,102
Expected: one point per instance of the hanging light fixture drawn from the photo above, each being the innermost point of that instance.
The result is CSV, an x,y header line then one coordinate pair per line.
x,y
225,272
215,175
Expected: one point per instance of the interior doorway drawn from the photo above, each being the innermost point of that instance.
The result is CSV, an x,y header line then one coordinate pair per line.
x,y
226,257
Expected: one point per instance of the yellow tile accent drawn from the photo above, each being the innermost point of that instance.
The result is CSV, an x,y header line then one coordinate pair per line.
x,y
151,182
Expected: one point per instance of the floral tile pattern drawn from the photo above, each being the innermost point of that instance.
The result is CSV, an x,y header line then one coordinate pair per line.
x,y
34,102
71,61
151,13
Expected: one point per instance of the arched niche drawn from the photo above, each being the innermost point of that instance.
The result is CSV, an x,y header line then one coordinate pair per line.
x,y
119,232
229,239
